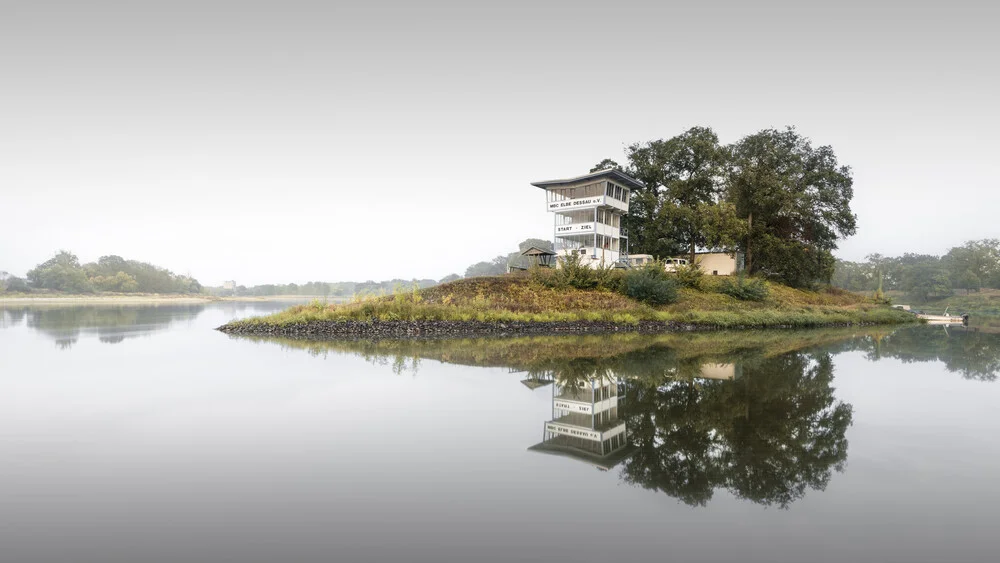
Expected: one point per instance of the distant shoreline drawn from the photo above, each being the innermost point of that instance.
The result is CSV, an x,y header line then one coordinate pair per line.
x,y
147,299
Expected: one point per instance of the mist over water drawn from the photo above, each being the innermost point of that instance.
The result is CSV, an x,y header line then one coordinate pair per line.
x,y
140,434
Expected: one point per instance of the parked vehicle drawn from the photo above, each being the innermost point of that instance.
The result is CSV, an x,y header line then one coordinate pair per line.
x,y
671,264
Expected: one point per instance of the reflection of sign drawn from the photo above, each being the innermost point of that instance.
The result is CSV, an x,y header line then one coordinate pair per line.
x,y
572,431
577,228
576,203
575,407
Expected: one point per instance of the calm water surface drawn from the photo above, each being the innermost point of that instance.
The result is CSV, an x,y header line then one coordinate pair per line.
x,y
139,434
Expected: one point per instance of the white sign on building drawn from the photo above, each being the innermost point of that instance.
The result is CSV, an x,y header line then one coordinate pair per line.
x,y
572,431
576,203
577,228
585,408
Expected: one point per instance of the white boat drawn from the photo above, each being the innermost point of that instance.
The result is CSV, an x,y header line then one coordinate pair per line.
x,y
944,319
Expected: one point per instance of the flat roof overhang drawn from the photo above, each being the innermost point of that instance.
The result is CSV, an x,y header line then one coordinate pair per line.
x,y
605,462
608,174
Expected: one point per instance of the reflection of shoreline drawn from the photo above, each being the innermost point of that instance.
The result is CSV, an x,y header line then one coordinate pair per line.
x,y
104,300
545,352
151,299
113,323
110,323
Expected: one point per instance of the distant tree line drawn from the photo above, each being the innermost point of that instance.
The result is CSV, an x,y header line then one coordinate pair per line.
x,y
971,267
64,273
771,195
323,289
494,267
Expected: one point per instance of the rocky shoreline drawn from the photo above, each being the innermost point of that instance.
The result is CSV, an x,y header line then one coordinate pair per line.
x,y
396,329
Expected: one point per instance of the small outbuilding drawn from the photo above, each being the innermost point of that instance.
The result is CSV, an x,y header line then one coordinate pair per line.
x,y
719,263
533,256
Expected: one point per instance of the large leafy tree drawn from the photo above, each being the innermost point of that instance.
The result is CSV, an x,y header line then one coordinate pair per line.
x,y
676,210
62,272
974,263
795,199
927,280
686,172
645,234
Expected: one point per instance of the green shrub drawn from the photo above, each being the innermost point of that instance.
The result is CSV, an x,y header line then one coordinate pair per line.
x,y
545,277
612,279
741,288
575,274
650,284
572,273
690,275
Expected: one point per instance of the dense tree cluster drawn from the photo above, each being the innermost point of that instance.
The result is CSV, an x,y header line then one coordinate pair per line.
x,y
64,272
771,195
12,284
971,267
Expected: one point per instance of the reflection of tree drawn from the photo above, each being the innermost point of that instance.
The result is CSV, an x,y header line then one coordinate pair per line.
x,y
767,437
112,324
13,316
974,354
574,376
676,449
113,339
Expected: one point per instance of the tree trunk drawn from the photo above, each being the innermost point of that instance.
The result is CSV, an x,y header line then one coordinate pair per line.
x,y
749,256
691,263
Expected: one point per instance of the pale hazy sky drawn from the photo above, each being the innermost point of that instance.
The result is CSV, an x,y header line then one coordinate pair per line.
x,y
290,141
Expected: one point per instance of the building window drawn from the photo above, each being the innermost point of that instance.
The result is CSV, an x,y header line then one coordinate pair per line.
x,y
715,272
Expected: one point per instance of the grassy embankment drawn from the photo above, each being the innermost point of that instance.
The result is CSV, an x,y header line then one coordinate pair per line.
x,y
520,298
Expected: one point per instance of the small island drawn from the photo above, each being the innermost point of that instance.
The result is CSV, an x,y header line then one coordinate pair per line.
x,y
532,303
689,235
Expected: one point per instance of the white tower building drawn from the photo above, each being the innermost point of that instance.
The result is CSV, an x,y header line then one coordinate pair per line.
x,y
588,213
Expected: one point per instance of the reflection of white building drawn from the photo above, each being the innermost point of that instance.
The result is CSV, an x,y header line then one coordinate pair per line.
x,y
588,213
721,371
586,423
